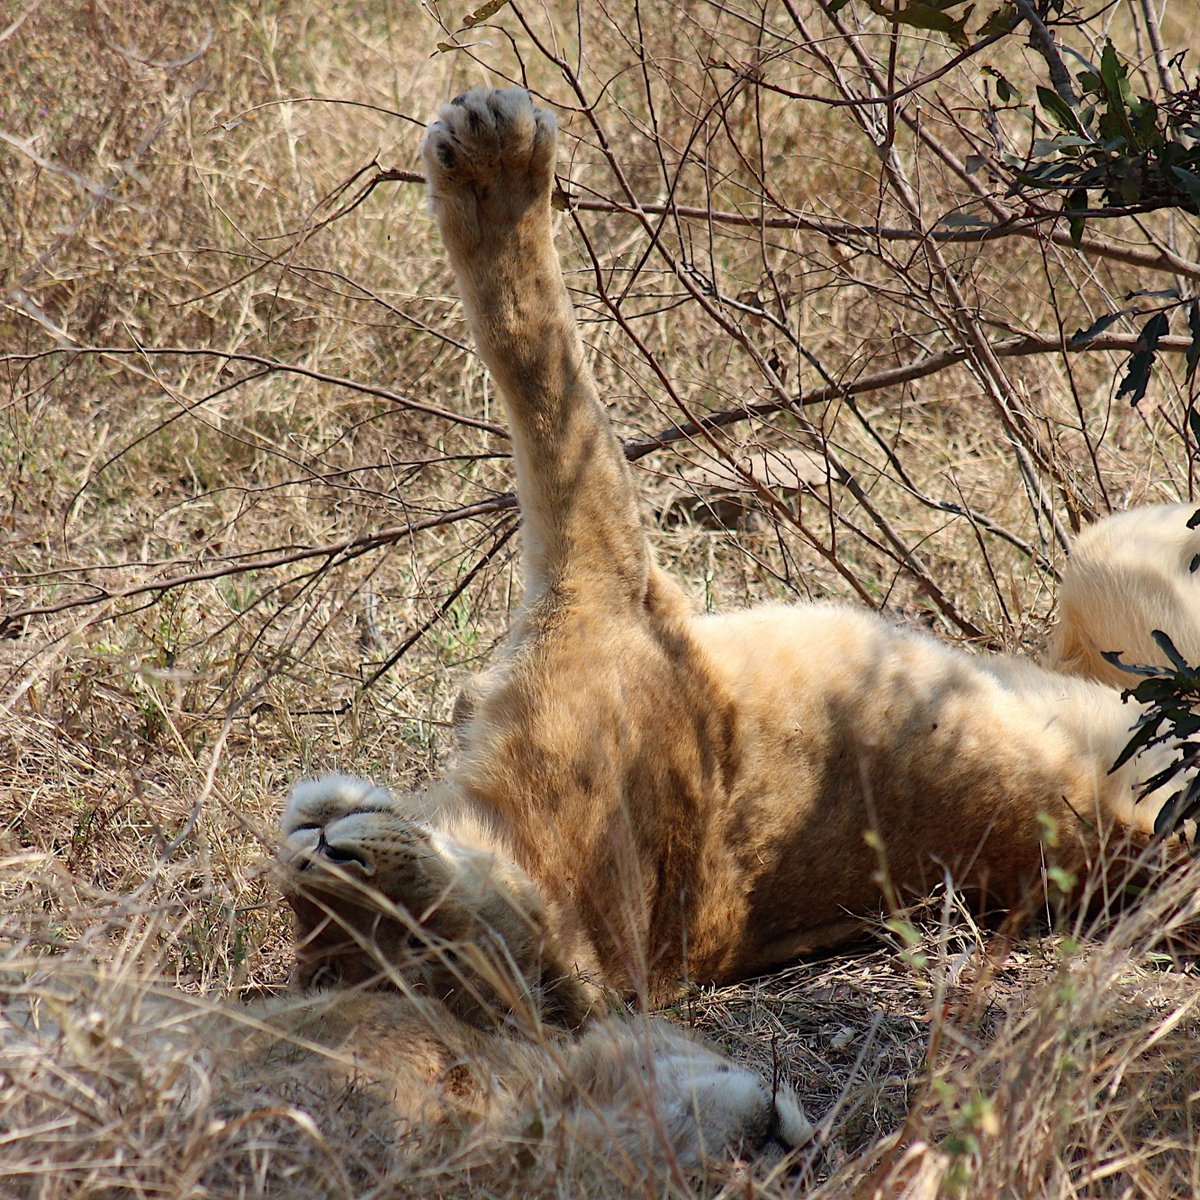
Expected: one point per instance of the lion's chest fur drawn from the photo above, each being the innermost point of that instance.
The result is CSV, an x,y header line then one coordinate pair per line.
x,y
610,752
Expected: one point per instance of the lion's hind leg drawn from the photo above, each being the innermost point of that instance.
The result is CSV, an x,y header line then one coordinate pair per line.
x,y
647,1087
1129,575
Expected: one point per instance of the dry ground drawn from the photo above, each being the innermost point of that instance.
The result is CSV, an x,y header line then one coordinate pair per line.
x,y
254,526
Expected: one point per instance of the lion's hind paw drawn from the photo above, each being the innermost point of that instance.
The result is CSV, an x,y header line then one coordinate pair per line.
x,y
735,1110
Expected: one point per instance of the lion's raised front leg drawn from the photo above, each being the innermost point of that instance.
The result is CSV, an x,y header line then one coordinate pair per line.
x,y
489,160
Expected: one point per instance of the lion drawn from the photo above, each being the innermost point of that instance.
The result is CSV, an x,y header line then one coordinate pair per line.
x,y
437,1015
707,797
1129,575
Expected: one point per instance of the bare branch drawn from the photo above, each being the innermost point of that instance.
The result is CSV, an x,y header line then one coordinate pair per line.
x,y
270,365
343,549
1034,228
1022,347
1154,34
467,578
1042,40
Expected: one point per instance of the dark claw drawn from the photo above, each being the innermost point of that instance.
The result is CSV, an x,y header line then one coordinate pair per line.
x,y
459,101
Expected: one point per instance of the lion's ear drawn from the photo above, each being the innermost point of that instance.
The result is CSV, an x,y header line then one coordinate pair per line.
x,y
465,704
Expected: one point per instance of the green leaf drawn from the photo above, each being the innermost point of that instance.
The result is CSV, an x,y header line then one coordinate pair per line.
x,y
1137,378
1158,778
483,13
1193,350
1165,821
1044,147
1194,426
1137,373
1114,658
919,15
1191,801
1154,330
1155,293
1159,690
1135,744
1063,114
1074,205
1164,643
1002,20
1116,85
1004,90
1191,185
1181,811
1081,337
1047,174
1112,72
1062,879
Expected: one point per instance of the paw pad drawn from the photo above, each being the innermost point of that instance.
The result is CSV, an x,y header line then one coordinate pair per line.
x,y
491,144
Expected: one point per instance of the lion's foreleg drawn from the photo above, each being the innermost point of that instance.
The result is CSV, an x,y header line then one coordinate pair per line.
x,y
490,164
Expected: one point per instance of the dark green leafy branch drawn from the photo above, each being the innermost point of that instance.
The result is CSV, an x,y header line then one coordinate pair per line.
x,y
931,15
1140,364
1171,718
1106,150
1134,152
1137,153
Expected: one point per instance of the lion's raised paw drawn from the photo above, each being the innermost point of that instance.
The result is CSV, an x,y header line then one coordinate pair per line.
x,y
491,151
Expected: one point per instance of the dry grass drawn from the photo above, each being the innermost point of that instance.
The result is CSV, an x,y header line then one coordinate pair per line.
x,y
166,178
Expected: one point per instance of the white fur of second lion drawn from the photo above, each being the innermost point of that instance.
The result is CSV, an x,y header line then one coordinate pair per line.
x,y
1129,575
691,794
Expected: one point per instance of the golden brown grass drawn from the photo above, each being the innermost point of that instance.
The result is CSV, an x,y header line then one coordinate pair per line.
x,y
166,175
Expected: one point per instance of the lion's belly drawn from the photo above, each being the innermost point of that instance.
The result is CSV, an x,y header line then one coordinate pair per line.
x,y
873,753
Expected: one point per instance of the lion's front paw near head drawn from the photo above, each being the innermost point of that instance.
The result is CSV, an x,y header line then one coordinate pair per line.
x,y
489,161
733,1111
316,804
